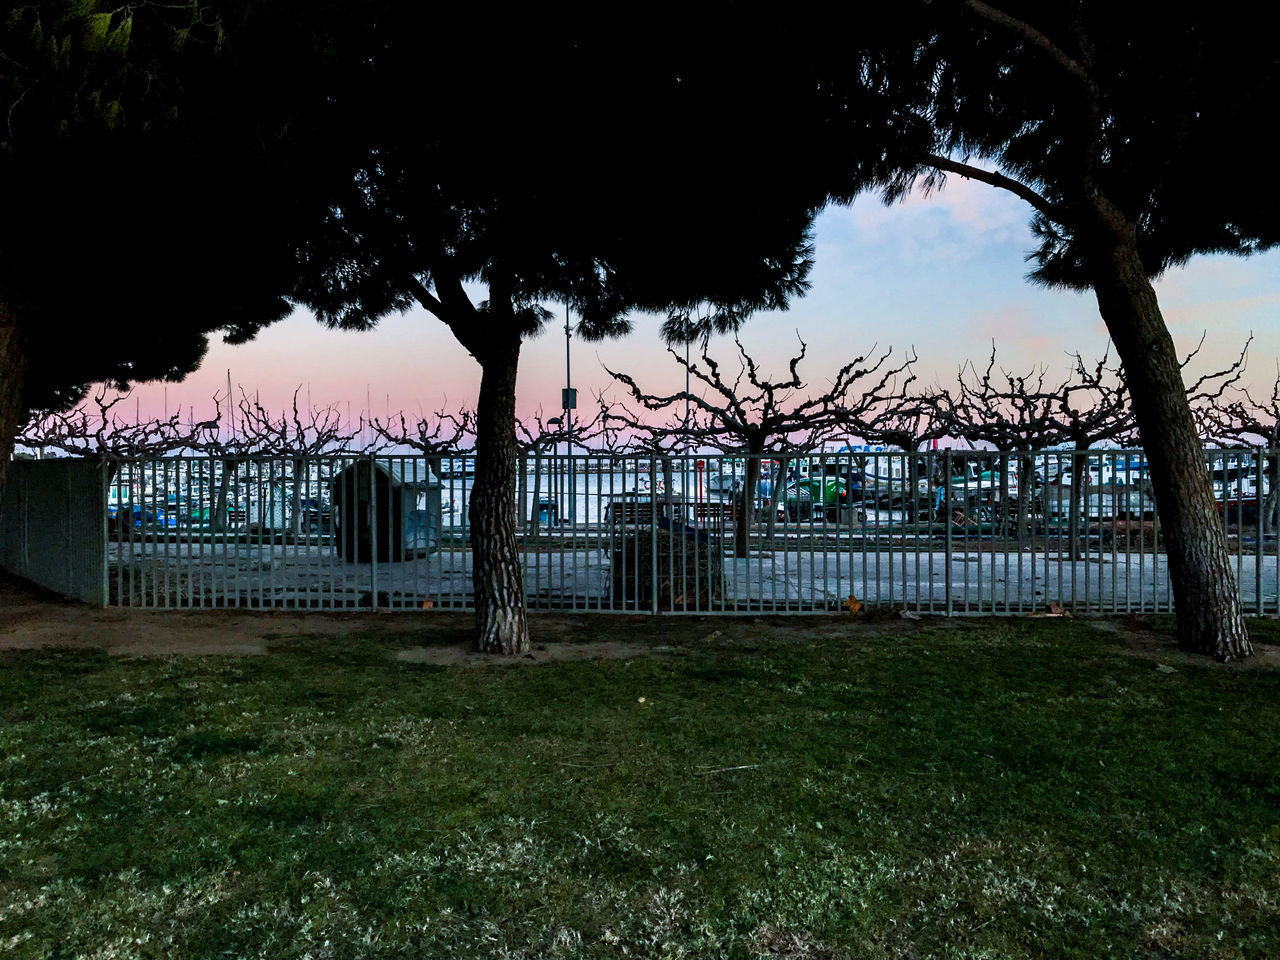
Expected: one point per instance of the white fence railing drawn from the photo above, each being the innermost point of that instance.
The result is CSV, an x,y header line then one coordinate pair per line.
x,y
939,531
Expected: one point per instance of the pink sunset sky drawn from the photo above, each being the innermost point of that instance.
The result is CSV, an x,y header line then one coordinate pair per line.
x,y
943,275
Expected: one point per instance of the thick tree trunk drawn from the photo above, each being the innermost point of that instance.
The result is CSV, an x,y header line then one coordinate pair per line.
x,y
501,626
13,368
1210,620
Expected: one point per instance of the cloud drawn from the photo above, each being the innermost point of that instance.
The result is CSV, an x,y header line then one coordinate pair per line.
x,y
960,223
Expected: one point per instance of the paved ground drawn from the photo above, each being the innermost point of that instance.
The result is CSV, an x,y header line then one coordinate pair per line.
x,y
980,578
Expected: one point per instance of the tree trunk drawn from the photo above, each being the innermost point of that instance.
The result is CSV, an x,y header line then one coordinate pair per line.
x,y
1210,620
295,498
13,369
535,517
1269,505
742,530
777,489
1026,471
220,519
1079,489
501,625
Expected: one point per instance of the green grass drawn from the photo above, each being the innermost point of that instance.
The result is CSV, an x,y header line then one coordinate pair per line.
x,y
1010,788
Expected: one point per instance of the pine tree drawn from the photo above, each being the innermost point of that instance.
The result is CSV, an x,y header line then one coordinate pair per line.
x,y
1129,131
554,161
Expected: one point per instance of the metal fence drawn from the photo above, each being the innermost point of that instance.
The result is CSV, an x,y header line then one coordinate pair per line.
x,y
942,532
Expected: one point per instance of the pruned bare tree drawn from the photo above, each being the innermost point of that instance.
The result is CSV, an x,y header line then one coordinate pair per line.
x,y
1029,412
536,437
297,435
96,428
905,420
1026,413
752,414
1237,418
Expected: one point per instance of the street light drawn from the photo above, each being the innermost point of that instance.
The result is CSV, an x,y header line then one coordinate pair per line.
x,y
558,424
569,403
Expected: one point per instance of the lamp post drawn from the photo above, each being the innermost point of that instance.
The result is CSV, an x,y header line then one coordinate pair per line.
x,y
684,473
569,403
554,474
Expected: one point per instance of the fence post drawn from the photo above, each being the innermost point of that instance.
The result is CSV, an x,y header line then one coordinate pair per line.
x,y
946,519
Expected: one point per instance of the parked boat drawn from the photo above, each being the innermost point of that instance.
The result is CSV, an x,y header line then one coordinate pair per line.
x,y
457,468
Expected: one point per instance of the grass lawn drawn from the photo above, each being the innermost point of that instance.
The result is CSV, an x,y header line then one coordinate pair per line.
x,y
788,788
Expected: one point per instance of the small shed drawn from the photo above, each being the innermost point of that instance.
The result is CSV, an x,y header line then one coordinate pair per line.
x,y
407,497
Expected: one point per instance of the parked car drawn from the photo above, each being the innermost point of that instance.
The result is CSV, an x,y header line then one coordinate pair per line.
x,y
144,517
317,517
824,496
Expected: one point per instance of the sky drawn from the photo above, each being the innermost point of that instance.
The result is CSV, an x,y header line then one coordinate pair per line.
x,y
944,275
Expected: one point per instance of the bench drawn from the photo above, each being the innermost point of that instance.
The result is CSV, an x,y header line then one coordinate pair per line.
x,y
713,514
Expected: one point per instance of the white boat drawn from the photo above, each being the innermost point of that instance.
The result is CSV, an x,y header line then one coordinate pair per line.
x,y
1105,471
457,468
723,477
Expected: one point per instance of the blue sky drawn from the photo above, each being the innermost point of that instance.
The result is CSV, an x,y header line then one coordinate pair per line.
x,y
943,274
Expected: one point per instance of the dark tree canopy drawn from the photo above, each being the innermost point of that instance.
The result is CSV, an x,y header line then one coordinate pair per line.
x,y
561,160
1064,103
568,161
1128,130
152,181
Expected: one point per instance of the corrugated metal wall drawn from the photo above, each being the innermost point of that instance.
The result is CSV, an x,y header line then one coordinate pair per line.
x,y
53,526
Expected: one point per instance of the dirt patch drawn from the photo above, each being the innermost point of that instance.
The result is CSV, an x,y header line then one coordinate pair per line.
x,y
31,618
462,655
1140,639
770,943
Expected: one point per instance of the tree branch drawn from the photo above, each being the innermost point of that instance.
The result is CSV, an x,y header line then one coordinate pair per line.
x,y
1016,187
1033,36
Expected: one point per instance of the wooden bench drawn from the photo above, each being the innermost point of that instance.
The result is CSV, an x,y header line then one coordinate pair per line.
x,y
713,513
628,512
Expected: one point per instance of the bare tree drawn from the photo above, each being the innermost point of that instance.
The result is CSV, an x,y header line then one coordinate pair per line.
x,y
1236,417
904,420
297,435
752,414
1025,413
96,428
